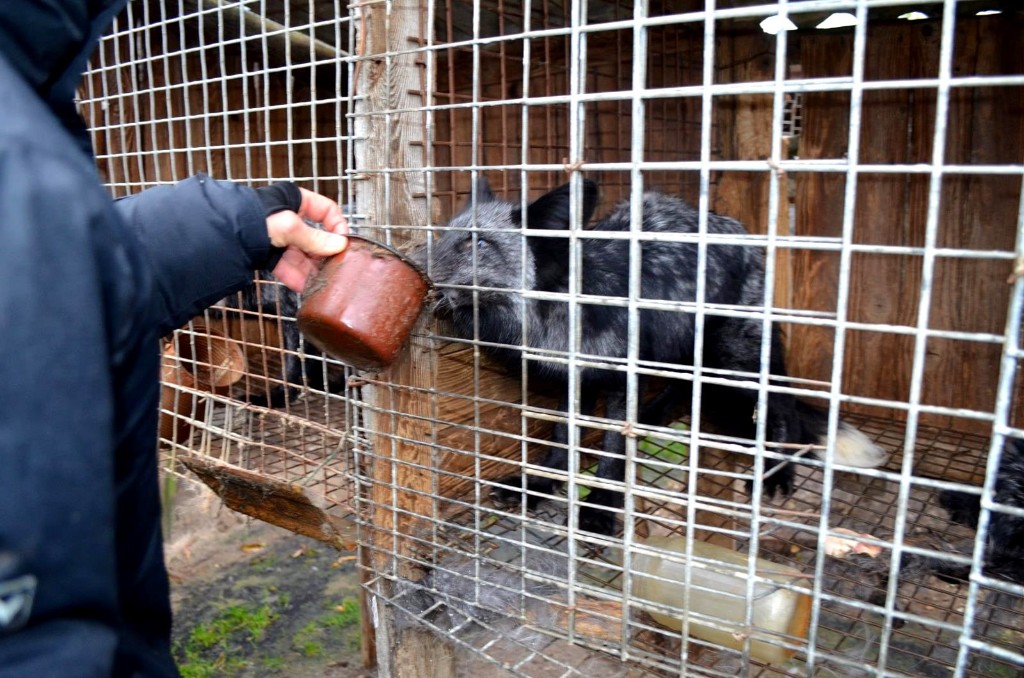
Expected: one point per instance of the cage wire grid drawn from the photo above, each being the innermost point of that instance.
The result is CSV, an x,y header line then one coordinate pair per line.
x,y
183,87
638,96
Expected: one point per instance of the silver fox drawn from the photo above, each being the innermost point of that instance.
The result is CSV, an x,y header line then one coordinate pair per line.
x,y
482,255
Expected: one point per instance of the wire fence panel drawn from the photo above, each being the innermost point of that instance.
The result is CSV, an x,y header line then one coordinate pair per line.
x,y
252,92
720,372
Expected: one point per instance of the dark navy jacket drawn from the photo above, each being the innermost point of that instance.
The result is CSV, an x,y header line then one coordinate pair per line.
x,y
87,287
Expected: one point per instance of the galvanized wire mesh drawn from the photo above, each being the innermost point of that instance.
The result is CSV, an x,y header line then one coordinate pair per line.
x,y
251,92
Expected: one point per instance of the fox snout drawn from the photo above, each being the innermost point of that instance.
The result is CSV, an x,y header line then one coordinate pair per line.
x,y
451,297
447,299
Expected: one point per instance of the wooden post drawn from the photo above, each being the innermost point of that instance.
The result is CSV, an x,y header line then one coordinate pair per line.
x,y
387,79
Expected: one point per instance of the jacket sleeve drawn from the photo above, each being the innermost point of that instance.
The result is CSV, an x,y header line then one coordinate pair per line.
x,y
203,238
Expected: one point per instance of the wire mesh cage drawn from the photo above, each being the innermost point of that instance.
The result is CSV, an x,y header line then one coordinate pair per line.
x,y
187,87
742,396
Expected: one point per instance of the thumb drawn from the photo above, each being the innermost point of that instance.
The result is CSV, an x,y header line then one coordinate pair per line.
x,y
286,229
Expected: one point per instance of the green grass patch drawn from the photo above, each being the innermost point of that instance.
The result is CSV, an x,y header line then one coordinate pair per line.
x,y
670,451
212,647
263,563
275,664
343,615
167,496
339,626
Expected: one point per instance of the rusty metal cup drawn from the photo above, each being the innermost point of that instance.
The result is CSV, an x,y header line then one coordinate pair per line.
x,y
362,305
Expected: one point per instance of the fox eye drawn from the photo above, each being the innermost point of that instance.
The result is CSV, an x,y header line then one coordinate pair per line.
x,y
481,243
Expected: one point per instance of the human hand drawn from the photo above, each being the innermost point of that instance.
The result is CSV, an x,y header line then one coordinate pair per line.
x,y
304,245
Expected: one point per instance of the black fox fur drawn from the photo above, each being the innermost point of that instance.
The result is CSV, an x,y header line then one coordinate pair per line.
x,y
1004,552
303,363
735,276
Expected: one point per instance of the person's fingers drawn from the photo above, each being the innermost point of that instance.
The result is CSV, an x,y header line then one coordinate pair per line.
x,y
322,209
294,269
301,242
286,229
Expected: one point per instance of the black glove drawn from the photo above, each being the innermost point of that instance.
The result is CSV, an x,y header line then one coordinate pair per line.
x,y
284,195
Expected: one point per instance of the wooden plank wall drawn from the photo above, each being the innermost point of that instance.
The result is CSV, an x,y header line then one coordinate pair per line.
x,y
976,212
743,131
672,128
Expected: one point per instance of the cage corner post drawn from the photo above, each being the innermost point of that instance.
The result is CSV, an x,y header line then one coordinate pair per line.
x,y
390,138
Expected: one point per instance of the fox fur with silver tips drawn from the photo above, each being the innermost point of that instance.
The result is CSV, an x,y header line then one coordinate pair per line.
x,y
481,255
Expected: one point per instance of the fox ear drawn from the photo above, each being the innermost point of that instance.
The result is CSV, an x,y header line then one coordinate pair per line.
x,y
551,210
483,190
483,193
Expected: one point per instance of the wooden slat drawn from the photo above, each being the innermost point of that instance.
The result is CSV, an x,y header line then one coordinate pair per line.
x,y
401,492
819,201
743,128
273,501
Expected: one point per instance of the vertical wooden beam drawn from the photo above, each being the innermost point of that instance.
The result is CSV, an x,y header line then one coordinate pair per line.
x,y
388,153
743,127
819,200
743,131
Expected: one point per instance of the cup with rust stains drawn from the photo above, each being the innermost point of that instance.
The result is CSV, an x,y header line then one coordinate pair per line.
x,y
361,306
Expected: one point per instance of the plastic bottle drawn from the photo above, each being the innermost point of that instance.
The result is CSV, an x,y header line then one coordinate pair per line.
x,y
718,589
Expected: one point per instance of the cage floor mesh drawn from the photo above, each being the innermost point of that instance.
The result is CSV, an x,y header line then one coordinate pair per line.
x,y
865,623
862,627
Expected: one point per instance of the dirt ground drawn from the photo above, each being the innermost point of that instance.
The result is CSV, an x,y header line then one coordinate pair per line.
x,y
252,599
